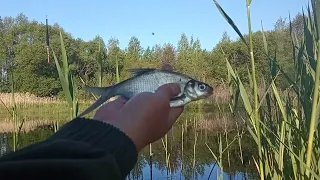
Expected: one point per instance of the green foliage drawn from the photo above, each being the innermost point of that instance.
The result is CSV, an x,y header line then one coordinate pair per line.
x,y
23,49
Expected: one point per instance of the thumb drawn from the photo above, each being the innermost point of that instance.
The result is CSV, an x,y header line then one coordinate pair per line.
x,y
169,90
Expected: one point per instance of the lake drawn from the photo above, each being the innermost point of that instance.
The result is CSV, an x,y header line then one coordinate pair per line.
x,y
182,154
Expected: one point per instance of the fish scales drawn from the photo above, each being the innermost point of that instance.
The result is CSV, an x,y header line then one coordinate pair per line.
x,y
150,83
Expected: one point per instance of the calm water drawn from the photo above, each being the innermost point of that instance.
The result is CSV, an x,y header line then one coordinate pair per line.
x,y
187,156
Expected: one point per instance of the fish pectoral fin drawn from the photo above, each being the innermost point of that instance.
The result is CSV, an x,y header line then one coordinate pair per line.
x,y
99,102
105,94
139,71
182,96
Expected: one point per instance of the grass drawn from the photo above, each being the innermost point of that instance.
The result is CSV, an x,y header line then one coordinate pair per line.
x,y
7,126
41,111
27,98
286,132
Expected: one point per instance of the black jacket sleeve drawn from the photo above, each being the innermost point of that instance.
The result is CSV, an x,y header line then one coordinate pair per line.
x,y
81,149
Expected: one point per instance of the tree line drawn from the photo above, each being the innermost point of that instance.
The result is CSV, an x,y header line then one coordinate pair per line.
x,y
23,56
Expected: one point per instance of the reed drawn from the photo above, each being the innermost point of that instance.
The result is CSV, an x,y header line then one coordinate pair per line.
x,y
14,117
66,80
167,154
239,141
182,139
194,146
100,64
224,129
219,158
285,131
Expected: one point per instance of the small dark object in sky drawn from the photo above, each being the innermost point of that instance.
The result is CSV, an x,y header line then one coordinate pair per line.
x,y
152,33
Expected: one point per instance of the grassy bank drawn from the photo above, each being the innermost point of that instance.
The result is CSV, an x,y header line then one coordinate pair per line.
x,y
37,114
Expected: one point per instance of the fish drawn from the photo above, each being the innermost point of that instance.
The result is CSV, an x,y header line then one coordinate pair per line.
x,y
149,80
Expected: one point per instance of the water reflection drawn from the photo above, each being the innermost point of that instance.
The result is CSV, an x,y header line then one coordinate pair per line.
x,y
3,144
183,153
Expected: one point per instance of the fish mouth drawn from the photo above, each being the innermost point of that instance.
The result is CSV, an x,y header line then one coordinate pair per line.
x,y
210,91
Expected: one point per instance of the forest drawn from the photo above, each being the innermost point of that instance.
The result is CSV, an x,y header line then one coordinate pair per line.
x,y
23,56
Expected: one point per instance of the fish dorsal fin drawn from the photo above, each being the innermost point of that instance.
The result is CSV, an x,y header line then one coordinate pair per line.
x,y
139,71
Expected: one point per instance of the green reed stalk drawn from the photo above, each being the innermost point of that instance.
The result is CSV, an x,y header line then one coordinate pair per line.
x,y
182,134
186,126
255,93
315,99
222,150
228,152
99,60
14,117
239,142
66,79
117,70
150,150
150,158
206,131
195,143
167,159
220,157
165,146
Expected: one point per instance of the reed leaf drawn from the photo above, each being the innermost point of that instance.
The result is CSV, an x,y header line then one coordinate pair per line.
x,y
313,125
99,60
64,58
66,80
64,84
230,21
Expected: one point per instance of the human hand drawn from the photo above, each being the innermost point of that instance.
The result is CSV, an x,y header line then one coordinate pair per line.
x,y
146,117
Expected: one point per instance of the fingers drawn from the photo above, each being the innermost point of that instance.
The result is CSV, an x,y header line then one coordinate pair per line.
x,y
174,114
169,90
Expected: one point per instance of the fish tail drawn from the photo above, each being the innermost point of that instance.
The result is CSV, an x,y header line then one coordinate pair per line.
x,y
105,93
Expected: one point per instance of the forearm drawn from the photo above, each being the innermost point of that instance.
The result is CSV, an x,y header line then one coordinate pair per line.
x,y
81,149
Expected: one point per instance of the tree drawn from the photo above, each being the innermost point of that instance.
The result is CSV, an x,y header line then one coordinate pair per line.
x,y
134,50
23,53
168,55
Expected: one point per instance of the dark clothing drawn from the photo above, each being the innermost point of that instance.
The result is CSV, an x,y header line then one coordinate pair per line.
x,y
81,149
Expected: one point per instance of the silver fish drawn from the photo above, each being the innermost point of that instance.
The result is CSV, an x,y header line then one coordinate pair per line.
x,y
149,80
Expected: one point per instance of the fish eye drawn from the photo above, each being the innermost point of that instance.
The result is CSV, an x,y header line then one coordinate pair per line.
x,y
202,87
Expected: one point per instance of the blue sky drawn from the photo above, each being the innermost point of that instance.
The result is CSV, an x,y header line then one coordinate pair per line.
x,y
166,18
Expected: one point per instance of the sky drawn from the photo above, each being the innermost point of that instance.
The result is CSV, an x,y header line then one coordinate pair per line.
x,y
167,19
